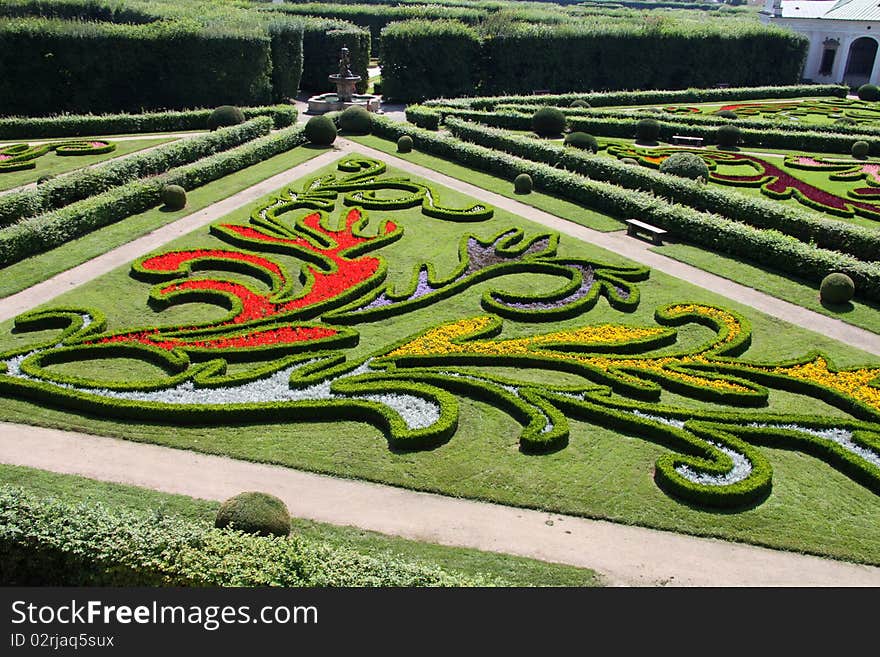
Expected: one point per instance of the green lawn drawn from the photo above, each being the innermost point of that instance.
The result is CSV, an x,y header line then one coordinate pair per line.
x,y
516,571
858,313
40,267
545,202
601,473
52,164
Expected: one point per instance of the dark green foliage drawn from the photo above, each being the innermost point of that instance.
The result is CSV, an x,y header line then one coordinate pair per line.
x,y
173,197
860,149
728,136
404,144
726,114
225,116
647,130
320,130
588,55
50,543
427,59
355,120
869,92
322,41
103,67
630,160
548,122
286,43
44,179
580,103
685,165
522,184
837,288
582,141
254,513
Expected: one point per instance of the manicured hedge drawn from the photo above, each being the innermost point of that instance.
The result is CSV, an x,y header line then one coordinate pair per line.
x,y
787,254
863,243
78,185
652,97
52,66
82,125
322,40
423,59
52,229
810,140
376,17
46,542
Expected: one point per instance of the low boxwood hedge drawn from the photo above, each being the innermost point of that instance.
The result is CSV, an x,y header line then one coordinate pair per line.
x,y
46,542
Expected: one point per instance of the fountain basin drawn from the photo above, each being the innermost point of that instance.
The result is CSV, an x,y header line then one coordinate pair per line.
x,y
331,102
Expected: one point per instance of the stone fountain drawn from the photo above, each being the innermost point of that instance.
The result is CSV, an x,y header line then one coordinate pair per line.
x,y
345,95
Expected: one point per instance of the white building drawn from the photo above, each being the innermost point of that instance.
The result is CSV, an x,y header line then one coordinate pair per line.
x,y
844,35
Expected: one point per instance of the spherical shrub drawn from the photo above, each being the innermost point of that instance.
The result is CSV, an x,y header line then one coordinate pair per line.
x,y
223,116
356,120
174,197
647,130
254,513
522,184
870,92
580,103
727,114
836,288
404,144
583,141
548,122
630,160
320,130
685,165
728,136
860,149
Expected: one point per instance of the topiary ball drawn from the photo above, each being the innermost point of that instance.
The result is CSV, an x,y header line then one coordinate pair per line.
x,y
580,103
583,141
836,288
630,160
727,114
647,130
320,130
685,165
254,513
404,144
870,92
174,197
548,122
356,120
224,116
860,149
522,184
728,136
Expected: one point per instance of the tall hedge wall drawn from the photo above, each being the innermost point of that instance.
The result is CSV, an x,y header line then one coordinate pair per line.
x,y
322,39
422,59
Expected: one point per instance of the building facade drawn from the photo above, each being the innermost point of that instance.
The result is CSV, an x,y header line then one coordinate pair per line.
x,y
844,37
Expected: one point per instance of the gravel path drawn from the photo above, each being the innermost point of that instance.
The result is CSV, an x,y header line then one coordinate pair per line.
x,y
623,555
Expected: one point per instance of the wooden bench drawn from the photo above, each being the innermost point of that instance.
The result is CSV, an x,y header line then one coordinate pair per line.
x,y
633,226
681,140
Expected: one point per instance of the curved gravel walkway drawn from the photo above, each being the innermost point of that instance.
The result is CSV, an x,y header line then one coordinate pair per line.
x,y
622,554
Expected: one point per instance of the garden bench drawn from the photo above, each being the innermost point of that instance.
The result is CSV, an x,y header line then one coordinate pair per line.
x,y
687,141
633,226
